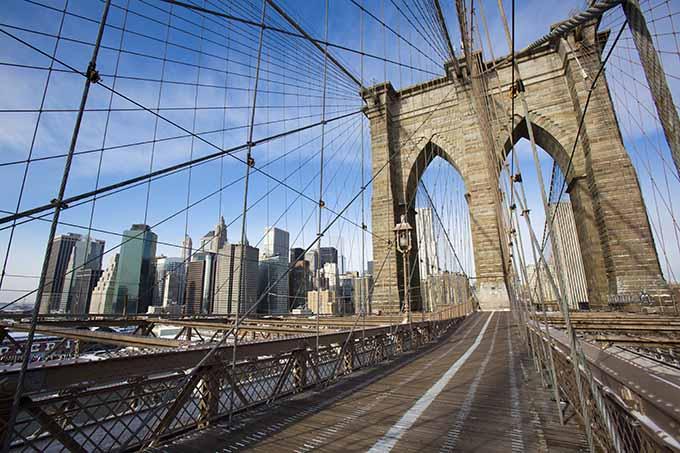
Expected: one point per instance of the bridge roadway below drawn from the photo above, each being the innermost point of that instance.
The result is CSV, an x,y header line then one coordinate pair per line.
x,y
474,390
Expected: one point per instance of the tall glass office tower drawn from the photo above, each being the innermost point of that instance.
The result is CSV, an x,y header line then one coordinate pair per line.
x,y
136,274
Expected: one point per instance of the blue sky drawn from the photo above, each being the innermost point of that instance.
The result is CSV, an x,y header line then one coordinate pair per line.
x,y
211,63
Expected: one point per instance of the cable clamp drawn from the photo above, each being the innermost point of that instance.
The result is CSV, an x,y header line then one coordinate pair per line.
x,y
363,226
526,212
92,74
250,161
517,177
321,204
513,207
58,203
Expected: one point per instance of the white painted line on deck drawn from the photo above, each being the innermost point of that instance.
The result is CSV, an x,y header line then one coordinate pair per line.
x,y
389,440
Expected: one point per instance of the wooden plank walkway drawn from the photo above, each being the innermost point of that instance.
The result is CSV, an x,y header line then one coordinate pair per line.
x,y
475,390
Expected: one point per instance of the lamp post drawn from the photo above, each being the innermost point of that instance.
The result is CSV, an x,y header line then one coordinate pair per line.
x,y
402,231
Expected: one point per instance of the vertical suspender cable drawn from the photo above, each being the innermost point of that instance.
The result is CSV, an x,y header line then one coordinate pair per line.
x,y
92,77
33,140
242,295
363,283
560,292
321,202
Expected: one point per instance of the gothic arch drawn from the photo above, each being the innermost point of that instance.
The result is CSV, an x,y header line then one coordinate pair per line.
x,y
548,136
425,156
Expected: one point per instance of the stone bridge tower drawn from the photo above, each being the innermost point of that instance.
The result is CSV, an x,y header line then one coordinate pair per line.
x,y
437,118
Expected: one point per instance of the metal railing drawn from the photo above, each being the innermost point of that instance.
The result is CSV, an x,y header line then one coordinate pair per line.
x,y
118,404
643,411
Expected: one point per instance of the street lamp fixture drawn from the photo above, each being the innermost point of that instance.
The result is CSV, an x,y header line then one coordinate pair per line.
x,y
402,232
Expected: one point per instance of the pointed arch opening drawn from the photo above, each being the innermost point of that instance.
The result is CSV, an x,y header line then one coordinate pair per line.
x,y
570,251
442,262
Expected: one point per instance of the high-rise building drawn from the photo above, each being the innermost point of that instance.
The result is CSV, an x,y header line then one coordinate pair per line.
x,y
428,261
235,284
330,276
136,271
323,302
186,249
276,242
61,267
445,288
80,295
193,294
86,254
297,254
103,294
273,284
169,273
312,257
369,267
215,239
328,255
361,294
273,271
210,284
211,243
300,282
567,252
60,254
539,280
344,291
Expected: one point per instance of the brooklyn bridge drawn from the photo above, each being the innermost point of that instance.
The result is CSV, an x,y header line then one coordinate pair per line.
x,y
431,225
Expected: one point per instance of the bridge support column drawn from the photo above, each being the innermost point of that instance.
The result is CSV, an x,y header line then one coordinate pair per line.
x,y
384,206
629,255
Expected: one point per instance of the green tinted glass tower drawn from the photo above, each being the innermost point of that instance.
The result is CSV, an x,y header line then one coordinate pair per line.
x,y
136,274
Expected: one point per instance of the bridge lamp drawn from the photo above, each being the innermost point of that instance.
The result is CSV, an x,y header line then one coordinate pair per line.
x,y
402,232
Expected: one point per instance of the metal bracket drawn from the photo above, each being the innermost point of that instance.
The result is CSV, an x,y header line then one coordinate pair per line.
x,y
92,74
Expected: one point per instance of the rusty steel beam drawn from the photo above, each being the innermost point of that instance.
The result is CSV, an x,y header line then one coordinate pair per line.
x,y
53,376
88,336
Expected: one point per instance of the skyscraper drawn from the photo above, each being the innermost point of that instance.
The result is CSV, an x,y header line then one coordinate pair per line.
x,y
80,295
62,263
275,242
273,272
193,295
215,239
328,255
136,274
297,254
103,294
313,258
230,289
169,272
567,252
300,282
186,249
330,277
361,294
427,246
86,254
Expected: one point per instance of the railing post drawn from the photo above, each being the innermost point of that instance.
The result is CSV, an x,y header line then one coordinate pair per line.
x,y
348,359
209,388
300,370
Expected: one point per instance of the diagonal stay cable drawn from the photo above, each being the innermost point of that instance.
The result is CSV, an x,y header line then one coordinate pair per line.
x,y
164,220
228,152
293,34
